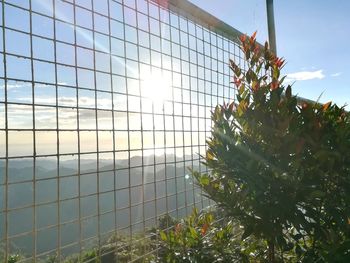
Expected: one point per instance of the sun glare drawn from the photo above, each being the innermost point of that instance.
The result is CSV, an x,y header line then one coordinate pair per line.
x,y
157,87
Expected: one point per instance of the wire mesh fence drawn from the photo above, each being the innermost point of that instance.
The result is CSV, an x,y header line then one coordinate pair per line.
x,y
104,104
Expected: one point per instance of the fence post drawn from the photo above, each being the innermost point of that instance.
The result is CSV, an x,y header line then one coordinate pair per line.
x,y
271,26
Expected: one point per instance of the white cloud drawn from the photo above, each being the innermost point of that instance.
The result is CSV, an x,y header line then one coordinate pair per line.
x,y
17,85
305,75
336,74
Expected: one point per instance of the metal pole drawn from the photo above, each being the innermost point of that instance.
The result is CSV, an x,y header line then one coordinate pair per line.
x,y
271,26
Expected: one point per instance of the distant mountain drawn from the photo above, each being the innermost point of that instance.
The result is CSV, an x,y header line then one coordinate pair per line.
x,y
22,195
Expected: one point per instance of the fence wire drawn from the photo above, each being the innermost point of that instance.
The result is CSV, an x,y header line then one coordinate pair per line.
x,y
104,104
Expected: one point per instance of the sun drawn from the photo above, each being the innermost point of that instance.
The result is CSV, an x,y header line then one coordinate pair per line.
x,y
157,87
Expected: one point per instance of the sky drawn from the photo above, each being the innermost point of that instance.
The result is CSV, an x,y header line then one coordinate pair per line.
x,y
313,36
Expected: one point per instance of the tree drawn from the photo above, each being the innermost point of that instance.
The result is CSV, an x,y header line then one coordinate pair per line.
x,y
280,167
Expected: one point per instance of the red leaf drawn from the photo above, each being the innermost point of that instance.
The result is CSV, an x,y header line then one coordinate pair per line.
x,y
256,50
252,38
255,85
237,81
254,35
204,229
278,62
326,106
274,84
243,38
232,106
177,228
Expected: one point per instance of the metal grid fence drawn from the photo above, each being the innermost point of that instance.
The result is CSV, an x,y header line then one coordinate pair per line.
x,y
103,106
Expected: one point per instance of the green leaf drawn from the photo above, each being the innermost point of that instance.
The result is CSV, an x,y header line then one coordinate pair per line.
x,y
204,180
241,89
193,232
163,236
248,77
289,92
276,72
282,80
209,156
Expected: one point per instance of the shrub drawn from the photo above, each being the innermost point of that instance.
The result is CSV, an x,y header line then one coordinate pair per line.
x,y
199,238
280,167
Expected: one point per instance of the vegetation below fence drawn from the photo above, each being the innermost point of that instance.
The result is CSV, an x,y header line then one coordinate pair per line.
x,y
121,248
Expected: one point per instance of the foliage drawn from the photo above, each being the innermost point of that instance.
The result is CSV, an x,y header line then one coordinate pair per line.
x,y
199,238
280,167
14,258
210,237
118,248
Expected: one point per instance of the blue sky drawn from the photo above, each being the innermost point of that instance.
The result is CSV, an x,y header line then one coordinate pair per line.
x,y
313,36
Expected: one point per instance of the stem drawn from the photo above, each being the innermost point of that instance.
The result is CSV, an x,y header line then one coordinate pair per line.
x,y
271,255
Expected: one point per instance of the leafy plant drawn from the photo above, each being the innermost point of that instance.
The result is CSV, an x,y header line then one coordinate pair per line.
x,y
280,167
199,238
14,258
117,248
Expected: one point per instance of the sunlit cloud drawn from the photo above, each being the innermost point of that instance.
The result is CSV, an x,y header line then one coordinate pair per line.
x,y
305,75
59,83
337,74
17,85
